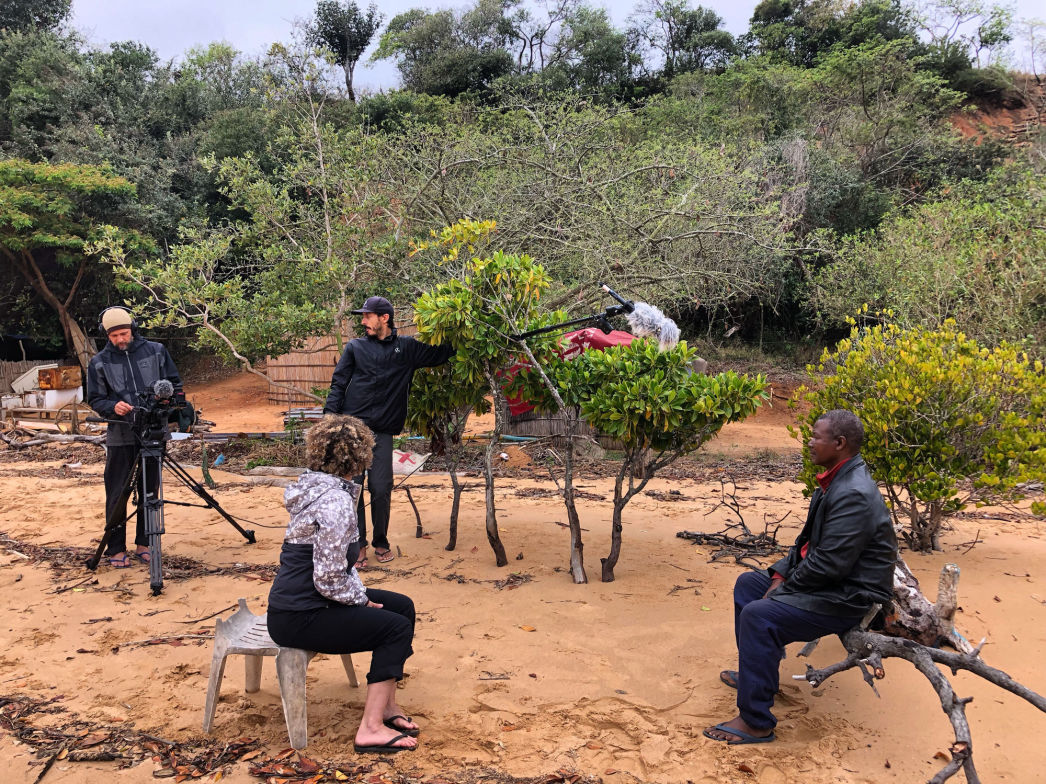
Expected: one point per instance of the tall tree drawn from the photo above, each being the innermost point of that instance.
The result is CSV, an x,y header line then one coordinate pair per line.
x,y
689,39
48,213
449,53
592,55
33,14
347,31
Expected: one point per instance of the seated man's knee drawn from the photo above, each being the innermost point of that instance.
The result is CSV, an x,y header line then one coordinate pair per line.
x,y
750,586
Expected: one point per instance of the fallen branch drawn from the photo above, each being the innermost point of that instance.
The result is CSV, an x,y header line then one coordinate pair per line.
x,y
737,540
167,638
912,622
208,617
37,438
867,650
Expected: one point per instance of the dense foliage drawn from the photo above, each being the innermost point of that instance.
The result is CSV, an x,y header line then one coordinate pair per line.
x,y
728,180
947,421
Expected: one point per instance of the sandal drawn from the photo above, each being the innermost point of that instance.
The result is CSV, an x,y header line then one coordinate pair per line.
x,y
144,557
361,562
121,561
384,556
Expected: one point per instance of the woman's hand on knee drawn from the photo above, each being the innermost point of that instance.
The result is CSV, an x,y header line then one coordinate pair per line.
x,y
375,605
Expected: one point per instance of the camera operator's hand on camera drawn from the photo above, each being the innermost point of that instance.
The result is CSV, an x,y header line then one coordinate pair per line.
x,y
122,408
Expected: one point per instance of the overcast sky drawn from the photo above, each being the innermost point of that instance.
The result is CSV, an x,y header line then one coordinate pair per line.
x,y
170,28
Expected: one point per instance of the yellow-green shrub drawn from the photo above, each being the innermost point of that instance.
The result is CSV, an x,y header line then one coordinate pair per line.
x,y
947,421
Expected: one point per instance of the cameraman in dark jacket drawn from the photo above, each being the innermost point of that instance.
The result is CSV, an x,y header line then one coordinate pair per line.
x,y
117,375
842,563
371,382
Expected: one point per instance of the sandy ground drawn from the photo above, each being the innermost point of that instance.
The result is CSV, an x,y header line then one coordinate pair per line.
x,y
611,680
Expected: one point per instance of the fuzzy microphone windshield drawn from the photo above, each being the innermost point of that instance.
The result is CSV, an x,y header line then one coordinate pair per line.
x,y
163,388
646,321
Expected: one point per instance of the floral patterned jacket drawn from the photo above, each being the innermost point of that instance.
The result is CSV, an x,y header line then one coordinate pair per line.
x,y
323,514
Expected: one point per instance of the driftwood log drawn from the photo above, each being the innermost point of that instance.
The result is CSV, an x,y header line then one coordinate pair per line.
x,y
913,617
913,630
18,438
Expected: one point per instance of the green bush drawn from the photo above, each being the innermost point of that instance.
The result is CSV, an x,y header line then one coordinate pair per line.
x,y
975,256
657,406
947,421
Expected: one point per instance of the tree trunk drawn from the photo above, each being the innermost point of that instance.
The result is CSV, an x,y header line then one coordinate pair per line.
x,y
455,505
570,419
76,341
81,345
493,447
616,525
349,68
577,547
915,618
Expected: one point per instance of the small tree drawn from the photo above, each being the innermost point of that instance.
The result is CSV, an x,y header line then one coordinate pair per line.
x,y
441,401
493,299
947,422
49,216
652,400
347,31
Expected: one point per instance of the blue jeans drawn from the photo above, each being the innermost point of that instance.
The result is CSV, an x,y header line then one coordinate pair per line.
x,y
763,627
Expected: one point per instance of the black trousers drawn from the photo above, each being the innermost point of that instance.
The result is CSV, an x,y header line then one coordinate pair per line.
x,y
379,482
343,628
120,462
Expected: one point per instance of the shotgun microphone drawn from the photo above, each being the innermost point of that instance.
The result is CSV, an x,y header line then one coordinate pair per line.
x,y
646,321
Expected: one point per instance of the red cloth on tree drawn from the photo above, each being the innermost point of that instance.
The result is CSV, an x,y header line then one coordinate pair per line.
x,y
573,343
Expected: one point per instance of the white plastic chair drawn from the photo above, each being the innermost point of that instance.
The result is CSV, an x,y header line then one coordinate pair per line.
x,y
246,633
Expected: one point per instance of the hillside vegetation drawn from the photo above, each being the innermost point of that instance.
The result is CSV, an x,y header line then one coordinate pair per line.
x,y
763,186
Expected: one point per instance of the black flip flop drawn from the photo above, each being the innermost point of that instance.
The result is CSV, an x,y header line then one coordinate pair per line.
x,y
729,677
743,738
390,723
386,748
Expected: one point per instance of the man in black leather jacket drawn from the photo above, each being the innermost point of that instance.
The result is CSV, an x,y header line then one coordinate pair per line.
x,y
371,382
128,365
841,564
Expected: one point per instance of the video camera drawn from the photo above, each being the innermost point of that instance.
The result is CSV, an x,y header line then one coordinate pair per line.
x,y
157,408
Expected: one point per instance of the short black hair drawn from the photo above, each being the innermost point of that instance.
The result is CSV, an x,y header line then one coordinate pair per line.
x,y
845,424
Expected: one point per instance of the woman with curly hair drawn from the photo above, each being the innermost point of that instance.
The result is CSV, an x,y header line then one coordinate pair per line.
x,y
317,601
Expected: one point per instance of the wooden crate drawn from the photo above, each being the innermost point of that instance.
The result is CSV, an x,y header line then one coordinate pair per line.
x,y
64,377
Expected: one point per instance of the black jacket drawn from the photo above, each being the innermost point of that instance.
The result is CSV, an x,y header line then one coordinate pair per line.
x,y
373,378
850,562
114,375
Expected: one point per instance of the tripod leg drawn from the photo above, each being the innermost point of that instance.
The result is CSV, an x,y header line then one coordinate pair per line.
x,y
152,493
180,472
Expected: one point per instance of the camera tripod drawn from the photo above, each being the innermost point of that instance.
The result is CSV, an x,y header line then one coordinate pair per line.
x,y
152,459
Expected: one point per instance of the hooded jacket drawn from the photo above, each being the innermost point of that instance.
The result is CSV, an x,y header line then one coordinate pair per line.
x,y
849,565
114,375
372,379
320,548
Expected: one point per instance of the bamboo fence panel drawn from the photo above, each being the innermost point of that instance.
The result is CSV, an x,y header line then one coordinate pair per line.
x,y
552,427
309,367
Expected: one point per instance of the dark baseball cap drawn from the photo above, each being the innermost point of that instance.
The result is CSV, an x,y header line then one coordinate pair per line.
x,y
377,305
